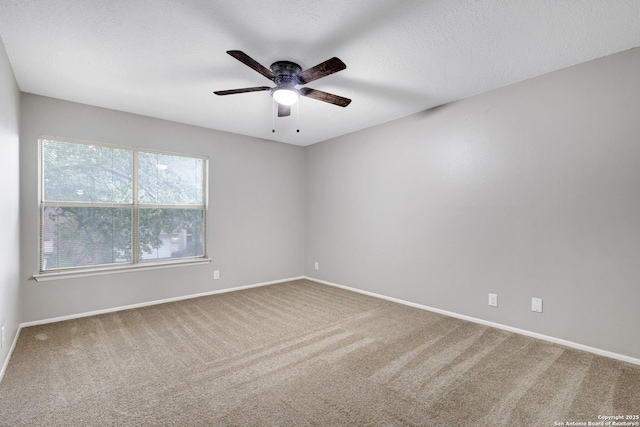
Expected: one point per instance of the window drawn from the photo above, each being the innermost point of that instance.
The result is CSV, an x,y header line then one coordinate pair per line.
x,y
114,206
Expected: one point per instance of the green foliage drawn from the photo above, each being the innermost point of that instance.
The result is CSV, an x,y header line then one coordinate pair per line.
x,y
156,222
169,180
88,236
87,173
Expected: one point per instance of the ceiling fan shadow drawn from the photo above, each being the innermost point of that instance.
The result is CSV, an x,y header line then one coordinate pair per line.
x,y
238,27
375,17
386,92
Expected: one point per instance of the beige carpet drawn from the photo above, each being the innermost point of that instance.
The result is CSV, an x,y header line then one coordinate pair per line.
x,y
302,354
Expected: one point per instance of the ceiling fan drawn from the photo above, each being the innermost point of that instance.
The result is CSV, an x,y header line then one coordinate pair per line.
x,y
287,75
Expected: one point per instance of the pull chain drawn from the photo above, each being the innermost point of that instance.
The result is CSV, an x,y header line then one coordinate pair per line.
x,y
273,115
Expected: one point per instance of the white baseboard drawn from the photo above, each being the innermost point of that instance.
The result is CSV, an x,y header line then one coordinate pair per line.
x,y
156,302
555,340
13,346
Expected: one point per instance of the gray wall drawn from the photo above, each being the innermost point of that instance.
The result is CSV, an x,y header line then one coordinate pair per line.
x,y
10,315
255,221
532,190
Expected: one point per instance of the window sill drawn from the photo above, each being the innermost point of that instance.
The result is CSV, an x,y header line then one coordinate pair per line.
x,y
97,271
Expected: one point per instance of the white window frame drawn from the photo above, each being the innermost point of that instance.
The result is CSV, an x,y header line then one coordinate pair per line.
x,y
136,264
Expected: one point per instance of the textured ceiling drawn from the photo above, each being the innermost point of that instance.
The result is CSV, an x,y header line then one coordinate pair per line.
x,y
164,58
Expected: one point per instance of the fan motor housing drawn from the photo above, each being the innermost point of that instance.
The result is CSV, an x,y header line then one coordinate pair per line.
x,y
286,72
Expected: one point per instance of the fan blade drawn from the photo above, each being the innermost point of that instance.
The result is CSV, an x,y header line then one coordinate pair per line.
x,y
325,96
284,110
329,66
244,90
252,63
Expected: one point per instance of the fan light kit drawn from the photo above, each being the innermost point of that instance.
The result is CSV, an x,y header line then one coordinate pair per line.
x,y
285,96
287,75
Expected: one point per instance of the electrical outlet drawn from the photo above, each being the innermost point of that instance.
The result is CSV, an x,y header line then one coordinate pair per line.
x,y
493,300
536,305
317,265
216,274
